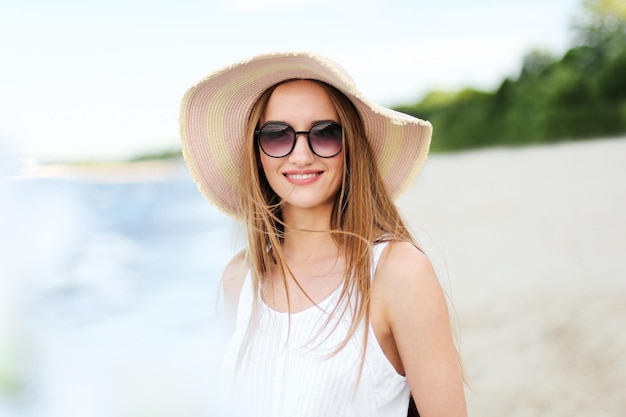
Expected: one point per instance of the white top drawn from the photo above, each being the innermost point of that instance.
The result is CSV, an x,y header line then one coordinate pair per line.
x,y
288,371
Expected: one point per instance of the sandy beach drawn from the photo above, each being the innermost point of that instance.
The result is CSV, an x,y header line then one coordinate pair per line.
x,y
529,243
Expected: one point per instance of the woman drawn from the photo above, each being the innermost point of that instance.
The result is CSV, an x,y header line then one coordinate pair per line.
x,y
334,309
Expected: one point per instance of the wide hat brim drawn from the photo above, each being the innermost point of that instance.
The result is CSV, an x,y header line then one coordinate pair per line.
x,y
214,116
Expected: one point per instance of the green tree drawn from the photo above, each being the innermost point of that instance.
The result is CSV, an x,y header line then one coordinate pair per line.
x,y
581,95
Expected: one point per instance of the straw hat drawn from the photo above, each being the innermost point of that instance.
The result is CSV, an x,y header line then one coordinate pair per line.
x,y
215,111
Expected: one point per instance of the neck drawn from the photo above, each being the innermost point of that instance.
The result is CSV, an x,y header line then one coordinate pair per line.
x,y
307,233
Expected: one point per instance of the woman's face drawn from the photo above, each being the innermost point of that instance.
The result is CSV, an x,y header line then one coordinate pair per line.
x,y
302,179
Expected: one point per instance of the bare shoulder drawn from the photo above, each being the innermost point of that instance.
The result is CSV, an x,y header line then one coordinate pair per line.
x,y
234,275
404,264
232,283
406,283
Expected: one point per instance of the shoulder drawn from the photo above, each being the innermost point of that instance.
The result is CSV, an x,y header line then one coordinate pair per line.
x,y
232,282
235,274
405,282
401,262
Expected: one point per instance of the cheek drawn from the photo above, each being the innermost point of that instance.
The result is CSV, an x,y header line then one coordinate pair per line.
x,y
266,163
269,168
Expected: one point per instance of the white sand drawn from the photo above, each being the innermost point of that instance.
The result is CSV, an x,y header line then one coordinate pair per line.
x,y
530,242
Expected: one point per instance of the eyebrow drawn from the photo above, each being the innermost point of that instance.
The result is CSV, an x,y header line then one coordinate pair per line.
x,y
314,122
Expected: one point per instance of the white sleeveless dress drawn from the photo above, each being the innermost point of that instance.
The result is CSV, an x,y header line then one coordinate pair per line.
x,y
288,369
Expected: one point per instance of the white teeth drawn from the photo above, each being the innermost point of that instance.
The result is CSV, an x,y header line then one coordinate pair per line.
x,y
301,176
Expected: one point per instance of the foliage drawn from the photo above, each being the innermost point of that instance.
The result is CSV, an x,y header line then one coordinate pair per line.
x,y
173,153
582,95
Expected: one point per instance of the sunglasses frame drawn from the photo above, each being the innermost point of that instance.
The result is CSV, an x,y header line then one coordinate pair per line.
x,y
257,134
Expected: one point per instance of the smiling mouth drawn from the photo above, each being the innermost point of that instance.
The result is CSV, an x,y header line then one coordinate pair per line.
x,y
303,176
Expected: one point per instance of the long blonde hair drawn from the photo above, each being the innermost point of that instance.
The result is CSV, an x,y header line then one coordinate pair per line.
x,y
363,212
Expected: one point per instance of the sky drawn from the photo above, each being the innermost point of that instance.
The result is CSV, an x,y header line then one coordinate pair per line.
x,y
103,80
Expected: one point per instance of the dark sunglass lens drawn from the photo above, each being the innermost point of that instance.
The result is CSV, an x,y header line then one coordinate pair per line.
x,y
326,139
276,139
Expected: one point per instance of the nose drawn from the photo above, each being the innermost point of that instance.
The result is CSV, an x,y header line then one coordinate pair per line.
x,y
302,154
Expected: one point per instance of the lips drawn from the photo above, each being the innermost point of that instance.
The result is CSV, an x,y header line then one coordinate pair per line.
x,y
303,176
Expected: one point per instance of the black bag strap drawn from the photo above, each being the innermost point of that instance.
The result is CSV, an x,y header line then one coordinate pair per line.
x,y
412,408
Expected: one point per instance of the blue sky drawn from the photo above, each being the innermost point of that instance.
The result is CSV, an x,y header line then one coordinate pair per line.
x,y
87,79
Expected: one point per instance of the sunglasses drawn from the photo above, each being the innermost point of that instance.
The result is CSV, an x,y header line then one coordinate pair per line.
x,y
277,139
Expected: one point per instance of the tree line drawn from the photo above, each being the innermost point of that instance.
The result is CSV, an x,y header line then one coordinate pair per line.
x,y
581,95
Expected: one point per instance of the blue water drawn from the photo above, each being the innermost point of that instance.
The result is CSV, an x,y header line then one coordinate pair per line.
x,y
110,289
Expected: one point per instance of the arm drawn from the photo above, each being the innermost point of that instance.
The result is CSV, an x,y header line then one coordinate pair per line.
x,y
232,281
413,312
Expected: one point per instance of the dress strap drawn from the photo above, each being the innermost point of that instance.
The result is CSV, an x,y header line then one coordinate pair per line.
x,y
377,251
246,299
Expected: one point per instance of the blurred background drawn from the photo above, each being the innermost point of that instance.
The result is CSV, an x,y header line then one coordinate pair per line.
x,y
110,259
